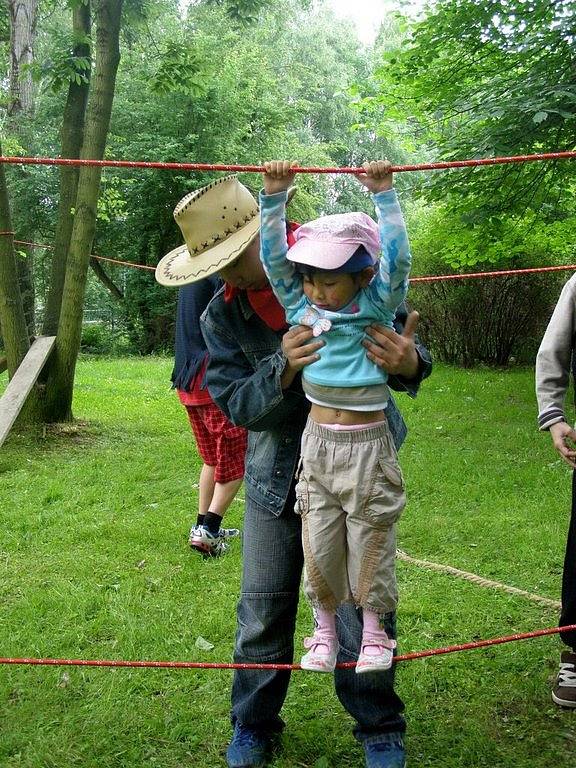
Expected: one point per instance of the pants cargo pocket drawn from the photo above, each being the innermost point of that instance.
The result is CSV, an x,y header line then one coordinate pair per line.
x,y
388,497
302,505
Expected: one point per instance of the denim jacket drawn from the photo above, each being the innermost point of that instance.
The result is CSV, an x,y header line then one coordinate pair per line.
x,y
243,377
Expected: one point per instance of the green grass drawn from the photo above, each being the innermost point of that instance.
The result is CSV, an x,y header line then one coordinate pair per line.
x,y
94,564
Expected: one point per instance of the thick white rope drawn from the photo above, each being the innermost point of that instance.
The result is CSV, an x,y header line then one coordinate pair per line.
x,y
401,555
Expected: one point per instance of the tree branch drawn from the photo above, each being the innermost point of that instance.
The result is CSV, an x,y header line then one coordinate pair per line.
x,y
106,281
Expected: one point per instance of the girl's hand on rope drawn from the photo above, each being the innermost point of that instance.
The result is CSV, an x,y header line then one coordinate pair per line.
x,y
564,439
278,176
377,176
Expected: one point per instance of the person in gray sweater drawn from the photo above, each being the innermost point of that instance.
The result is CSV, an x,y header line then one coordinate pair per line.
x,y
554,363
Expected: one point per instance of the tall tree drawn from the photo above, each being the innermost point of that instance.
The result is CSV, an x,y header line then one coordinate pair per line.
x,y
60,382
23,15
22,36
72,135
12,318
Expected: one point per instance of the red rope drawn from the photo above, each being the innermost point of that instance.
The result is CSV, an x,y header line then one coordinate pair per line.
x,y
424,279
345,665
92,255
497,273
298,169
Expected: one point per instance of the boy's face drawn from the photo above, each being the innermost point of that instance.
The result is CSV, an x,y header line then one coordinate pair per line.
x,y
334,291
246,272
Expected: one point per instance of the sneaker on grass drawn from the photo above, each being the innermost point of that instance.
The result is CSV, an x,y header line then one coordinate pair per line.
x,y
564,692
249,748
388,753
208,543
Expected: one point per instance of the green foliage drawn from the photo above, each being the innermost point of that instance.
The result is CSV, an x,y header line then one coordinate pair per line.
x,y
112,202
242,11
180,70
66,65
488,79
488,320
100,339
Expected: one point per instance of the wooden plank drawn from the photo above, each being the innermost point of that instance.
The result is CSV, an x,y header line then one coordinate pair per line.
x,y
21,383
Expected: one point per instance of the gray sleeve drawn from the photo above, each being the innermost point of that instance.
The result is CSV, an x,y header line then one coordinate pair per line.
x,y
554,358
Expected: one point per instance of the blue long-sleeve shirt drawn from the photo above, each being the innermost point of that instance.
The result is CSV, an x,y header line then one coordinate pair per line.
x,y
343,361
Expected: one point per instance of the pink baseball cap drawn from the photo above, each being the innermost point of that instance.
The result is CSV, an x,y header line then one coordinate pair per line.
x,y
328,242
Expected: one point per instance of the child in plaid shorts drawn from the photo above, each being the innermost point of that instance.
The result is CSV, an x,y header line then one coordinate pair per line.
x,y
221,445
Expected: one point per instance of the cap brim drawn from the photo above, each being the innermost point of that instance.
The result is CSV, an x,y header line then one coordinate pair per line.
x,y
321,255
180,268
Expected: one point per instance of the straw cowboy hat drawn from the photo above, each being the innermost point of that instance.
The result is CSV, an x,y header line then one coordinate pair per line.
x,y
218,222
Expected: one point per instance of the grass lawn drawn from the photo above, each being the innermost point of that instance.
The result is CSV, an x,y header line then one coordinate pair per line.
x,y
94,564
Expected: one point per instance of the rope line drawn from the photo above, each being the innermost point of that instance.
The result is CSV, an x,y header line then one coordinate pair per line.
x,y
217,665
298,169
482,582
496,273
92,255
423,279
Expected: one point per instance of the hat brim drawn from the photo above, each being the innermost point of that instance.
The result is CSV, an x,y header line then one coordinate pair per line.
x,y
179,268
321,255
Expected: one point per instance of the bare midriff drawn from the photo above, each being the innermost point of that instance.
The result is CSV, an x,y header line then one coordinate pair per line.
x,y
322,414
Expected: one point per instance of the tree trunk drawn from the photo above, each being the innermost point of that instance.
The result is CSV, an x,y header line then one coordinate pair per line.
x,y
71,134
23,15
60,381
12,320
22,38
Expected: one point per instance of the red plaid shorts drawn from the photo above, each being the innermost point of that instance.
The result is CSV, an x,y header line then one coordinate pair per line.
x,y
220,444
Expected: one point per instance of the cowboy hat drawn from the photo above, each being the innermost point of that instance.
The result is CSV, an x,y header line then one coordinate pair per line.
x,y
218,222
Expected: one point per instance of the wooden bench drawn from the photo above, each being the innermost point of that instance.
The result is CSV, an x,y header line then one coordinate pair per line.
x,y
20,385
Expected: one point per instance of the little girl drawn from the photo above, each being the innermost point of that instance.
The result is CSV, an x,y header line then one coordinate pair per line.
x,y
350,491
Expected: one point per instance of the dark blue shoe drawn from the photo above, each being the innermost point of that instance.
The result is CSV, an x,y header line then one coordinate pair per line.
x,y
386,754
249,748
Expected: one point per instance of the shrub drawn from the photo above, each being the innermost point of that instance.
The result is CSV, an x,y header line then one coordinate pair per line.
x,y
486,320
100,339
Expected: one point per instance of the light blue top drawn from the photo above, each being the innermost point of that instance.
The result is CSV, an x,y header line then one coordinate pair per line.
x,y
343,361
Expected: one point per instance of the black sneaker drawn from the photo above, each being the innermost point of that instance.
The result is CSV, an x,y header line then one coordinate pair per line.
x,y
564,692
249,747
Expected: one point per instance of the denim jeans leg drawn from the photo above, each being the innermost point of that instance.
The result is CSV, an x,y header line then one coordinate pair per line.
x,y
370,698
271,571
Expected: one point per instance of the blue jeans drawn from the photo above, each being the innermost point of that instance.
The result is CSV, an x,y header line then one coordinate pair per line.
x,y
272,567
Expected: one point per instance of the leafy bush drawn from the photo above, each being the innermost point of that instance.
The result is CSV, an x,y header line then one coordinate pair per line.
x,y
487,320
100,339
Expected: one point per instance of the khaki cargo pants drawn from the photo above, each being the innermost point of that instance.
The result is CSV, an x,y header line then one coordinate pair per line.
x,y
350,493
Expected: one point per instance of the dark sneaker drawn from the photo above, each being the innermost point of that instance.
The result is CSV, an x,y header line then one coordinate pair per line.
x,y
386,754
564,692
249,748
